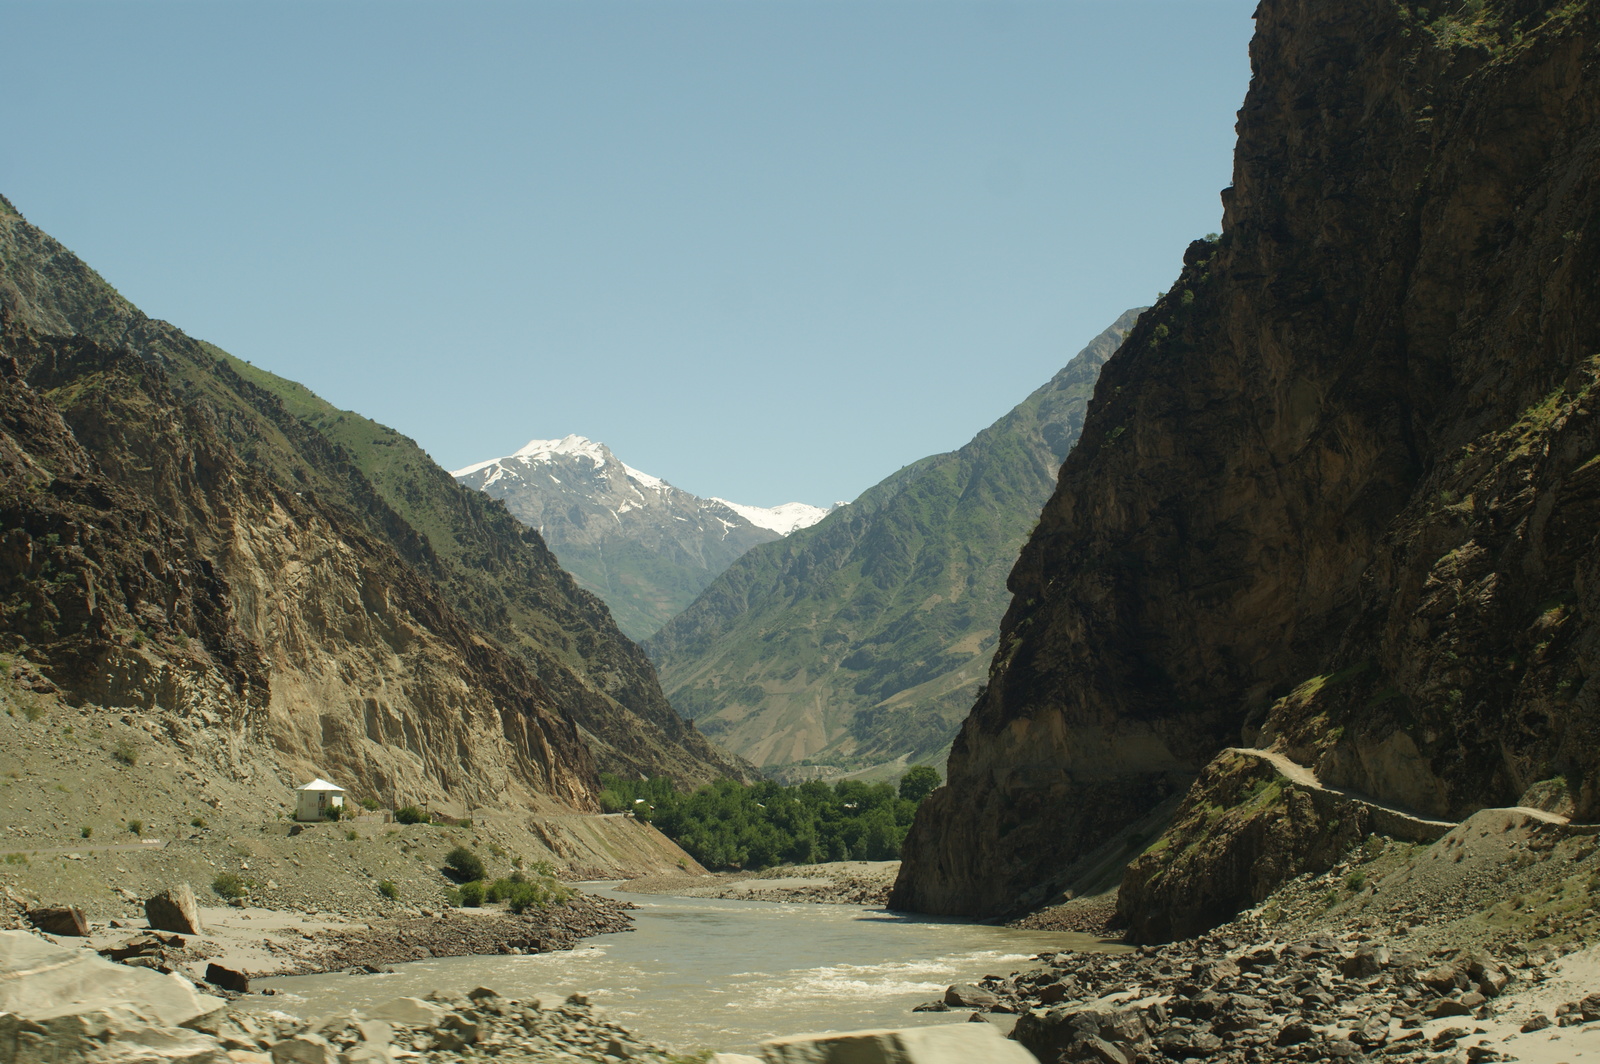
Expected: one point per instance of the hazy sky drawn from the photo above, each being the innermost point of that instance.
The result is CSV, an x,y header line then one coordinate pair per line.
x,y
767,250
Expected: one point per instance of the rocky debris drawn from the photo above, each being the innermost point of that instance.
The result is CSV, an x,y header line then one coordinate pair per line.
x,y
1219,997
156,951
174,909
455,933
1576,1012
1095,915
442,1027
60,920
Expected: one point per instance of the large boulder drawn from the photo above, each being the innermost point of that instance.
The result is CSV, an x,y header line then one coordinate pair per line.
x,y
174,910
60,920
957,1043
60,1004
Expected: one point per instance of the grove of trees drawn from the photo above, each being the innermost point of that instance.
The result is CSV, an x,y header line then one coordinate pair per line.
x,y
727,825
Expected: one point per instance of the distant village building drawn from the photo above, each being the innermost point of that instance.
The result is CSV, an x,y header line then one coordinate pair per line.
x,y
318,800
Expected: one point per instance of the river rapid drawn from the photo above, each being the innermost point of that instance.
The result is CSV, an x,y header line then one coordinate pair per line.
x,y
712,973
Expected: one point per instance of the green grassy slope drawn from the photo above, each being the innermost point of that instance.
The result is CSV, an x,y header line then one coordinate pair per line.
x,y
865,637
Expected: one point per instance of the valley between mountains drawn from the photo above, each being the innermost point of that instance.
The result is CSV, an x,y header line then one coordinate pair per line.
x,y
1260,643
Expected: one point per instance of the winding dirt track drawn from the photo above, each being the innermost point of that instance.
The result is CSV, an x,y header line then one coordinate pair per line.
x,y
1298,773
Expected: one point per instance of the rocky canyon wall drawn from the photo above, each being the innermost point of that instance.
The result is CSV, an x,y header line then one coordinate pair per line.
x,y
1339,490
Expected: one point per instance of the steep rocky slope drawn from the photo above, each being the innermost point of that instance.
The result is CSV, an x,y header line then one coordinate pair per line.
x,y
864,638
642,545
1338,492
289,599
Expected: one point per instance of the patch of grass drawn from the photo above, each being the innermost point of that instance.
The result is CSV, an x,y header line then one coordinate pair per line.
x,y
1356,881
125,753
352,835
17,858
229,885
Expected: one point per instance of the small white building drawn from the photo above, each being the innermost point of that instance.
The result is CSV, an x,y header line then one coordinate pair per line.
x,y
318,800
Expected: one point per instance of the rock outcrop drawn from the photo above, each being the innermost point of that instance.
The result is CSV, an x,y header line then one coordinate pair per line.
x,y
1338,491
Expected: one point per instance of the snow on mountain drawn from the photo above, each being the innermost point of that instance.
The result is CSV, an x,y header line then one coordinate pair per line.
x,y
784,518
644,546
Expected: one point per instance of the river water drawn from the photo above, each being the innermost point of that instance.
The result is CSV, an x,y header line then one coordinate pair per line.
x,y
709,973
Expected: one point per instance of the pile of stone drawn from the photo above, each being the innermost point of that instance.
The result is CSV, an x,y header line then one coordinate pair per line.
x,y
459,933
440,1027
59,1004
1216,998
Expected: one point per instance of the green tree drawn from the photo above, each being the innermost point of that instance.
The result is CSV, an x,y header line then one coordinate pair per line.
x,y
919,782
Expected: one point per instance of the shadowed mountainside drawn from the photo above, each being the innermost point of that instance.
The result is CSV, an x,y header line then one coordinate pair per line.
x,y
1338,492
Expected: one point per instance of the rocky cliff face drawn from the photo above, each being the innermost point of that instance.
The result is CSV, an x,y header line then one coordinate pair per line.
x,y
145,566
864,638
1339,491
644,546
192,538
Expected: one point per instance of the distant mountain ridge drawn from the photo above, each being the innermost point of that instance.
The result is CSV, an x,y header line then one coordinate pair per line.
x,y
645,547
866,637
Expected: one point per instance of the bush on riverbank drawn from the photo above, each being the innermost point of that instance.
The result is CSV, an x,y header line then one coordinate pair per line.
x,y
728,825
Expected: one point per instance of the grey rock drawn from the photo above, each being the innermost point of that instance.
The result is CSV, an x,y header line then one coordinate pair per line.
x,y
967,996
304,1048
174,910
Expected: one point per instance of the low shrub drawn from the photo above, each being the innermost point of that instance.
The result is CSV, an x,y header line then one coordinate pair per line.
x,y
229,885
198,822
388,889
136,826
538,894
86,831
125,753
409,814
462,865
472,894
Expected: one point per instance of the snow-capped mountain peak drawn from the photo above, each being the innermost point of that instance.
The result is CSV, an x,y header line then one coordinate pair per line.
x,y
641,544
783,519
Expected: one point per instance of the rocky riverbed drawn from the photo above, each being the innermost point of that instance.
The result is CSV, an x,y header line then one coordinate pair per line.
x,y
834,883
1346,997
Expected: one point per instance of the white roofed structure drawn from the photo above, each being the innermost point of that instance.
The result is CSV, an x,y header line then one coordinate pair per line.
x,y
318,800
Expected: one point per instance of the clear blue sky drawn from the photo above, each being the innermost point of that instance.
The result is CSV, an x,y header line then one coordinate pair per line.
x,y
766,249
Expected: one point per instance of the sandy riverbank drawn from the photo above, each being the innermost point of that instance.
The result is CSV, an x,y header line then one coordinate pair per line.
x,y
836,883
